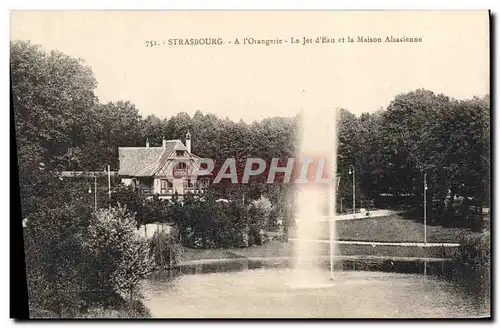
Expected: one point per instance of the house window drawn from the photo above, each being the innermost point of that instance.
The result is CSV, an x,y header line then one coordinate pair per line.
x,y
165,184
181,166
179,153
204,183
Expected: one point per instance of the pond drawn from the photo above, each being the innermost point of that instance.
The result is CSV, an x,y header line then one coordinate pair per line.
x,y
264,290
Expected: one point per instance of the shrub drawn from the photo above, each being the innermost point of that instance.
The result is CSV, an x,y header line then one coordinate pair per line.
x,y
55,266
76,261
473,256
134,201
118,257
264,206
164,249
135,310
207,223
37,313
259,214
155,210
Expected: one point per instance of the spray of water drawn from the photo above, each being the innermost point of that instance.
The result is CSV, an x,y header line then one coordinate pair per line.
x,y
315,202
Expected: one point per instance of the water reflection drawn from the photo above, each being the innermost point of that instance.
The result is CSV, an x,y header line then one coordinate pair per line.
x,y
368,288
441,268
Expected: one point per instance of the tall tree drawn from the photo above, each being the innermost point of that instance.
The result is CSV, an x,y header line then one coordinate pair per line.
x,y
53,93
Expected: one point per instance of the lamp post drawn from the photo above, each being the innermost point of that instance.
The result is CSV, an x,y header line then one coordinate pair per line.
x,y
95,192
109,186
351,171
425,208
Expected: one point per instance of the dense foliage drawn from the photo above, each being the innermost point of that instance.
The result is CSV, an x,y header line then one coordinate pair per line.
x,y
164,249
61,125
209,223
392,149
79,261
118,258
474,255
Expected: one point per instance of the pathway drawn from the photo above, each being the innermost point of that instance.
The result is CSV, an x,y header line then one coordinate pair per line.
x,y
324,257
373,214
380,243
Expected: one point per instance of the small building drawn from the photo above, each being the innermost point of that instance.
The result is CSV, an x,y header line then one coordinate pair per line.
x,y
163,171
147,231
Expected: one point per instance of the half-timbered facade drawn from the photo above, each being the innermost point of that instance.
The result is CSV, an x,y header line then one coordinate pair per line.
x,y
164,171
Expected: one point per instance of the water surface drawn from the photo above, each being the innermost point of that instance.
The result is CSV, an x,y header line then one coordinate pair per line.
x,y
270,293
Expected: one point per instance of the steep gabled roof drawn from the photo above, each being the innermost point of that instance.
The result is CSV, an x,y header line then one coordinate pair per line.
x,y
144,161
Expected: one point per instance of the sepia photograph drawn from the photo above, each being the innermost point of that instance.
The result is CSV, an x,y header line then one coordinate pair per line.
x,y
252,164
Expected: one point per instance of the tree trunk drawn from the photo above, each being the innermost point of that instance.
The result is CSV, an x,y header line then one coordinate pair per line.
x,y
130,299
452,200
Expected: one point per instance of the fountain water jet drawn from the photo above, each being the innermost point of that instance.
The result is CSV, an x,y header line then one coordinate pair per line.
x,y
318,141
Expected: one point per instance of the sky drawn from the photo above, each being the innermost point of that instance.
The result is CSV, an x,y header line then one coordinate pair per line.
x,y
250,82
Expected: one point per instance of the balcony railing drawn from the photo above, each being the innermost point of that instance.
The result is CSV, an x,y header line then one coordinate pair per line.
x,y
170,191
195,191
167,191
146,191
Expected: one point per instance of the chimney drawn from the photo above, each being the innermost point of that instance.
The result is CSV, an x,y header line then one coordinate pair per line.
x,y
164,143
188,142
147,143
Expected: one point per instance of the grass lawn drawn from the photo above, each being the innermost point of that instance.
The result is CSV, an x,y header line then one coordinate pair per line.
x,y
189,254
271,249
391,228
